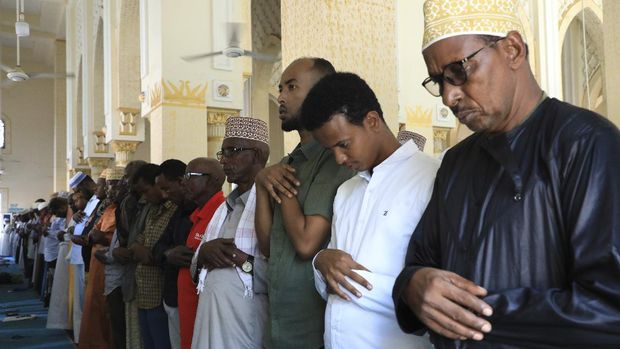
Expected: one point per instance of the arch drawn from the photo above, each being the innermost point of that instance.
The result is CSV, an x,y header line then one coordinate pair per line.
x,y
574,10
574,65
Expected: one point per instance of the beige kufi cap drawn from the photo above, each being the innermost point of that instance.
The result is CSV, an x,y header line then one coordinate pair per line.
x,y
448,18
104,173
114,173
247,128
419,140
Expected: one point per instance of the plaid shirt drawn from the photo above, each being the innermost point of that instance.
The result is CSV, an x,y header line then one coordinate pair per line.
x,y
150,278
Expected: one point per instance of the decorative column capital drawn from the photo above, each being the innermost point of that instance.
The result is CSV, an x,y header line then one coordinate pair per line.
x,y
123,151
98,162
216,121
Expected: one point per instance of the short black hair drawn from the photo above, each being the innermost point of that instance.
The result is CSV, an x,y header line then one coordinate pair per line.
x,y
173,169
323,66
56,203
489,39
338,93
147,173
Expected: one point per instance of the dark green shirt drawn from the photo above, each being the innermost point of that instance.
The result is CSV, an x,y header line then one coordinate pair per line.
x,y
297,310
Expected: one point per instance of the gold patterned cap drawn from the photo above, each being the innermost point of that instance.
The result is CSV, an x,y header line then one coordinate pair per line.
x,y
247,128
448,18
114,173
104,173
404,136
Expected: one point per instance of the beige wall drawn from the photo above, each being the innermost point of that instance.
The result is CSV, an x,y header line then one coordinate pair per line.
x,y
28,166
356,36
611,30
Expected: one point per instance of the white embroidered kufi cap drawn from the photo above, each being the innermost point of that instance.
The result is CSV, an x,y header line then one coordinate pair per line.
x,y
448,18
76,180
247,128
419,140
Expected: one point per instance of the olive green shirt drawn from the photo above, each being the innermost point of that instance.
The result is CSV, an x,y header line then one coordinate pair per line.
x,y
297,310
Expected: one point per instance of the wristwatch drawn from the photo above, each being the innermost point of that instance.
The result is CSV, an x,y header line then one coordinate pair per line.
x,y
248,265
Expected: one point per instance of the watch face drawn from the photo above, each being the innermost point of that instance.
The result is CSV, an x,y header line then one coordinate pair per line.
x,y
247,266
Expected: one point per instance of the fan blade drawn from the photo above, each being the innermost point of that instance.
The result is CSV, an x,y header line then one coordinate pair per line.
x,y
260,56
7,83
51,75
6,68
200,56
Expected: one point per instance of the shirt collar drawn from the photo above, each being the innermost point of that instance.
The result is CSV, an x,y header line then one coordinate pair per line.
x,y
234,195
203,212
403,152
306,151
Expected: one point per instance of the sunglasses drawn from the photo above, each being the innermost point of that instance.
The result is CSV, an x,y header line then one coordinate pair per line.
x,y
454,73
230,152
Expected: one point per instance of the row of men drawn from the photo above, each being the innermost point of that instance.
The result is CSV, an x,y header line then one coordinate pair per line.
x,y
354,240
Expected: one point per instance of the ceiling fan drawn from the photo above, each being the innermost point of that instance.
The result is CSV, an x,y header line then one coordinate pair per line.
x,y
233,49
17,74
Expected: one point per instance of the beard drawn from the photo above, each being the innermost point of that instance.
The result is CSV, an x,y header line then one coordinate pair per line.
x,y
291,123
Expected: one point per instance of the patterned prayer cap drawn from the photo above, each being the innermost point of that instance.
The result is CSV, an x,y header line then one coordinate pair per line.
x,y
76,180
419,140
42,205
448,18
104,173
114,173
247,128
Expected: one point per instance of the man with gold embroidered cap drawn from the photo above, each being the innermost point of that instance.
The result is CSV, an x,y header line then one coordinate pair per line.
x,y
519,245
233,307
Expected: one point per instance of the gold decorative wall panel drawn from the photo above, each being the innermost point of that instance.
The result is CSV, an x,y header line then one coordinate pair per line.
x,y
184,93
357,36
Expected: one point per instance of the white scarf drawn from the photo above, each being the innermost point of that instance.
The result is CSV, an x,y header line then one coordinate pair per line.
x,y
245,240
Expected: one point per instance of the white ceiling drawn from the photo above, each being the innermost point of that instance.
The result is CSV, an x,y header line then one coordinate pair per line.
x,y
47,23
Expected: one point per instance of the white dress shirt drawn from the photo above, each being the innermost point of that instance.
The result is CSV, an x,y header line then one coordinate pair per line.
x,y
374,217
75,255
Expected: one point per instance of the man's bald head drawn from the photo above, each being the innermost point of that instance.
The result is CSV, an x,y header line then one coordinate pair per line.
x,y
200,188
295,83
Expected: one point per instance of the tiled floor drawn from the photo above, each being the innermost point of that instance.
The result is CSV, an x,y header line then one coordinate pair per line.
x,y
31,333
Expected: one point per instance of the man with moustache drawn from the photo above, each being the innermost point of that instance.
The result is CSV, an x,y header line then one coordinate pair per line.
x,y
203,180
293,215
518,247
233,304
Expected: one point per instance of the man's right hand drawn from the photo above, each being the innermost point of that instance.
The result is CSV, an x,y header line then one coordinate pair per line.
x,y
279,180
101,255
78,216
179,256
218,253
61,236
334,265
448,304
122,255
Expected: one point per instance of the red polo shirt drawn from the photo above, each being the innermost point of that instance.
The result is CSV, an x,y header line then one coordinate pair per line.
x,y
187,297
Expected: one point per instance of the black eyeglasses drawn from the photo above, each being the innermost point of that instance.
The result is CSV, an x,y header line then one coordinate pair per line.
x,y
454,73
230,152
189,175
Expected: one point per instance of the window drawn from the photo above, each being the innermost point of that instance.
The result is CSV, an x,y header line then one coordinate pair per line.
x,y
2,135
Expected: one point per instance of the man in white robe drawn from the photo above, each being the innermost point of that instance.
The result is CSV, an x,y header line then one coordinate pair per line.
x,y
375,214
233,304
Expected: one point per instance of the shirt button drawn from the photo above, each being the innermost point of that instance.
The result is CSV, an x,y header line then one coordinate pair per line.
x,y
517,197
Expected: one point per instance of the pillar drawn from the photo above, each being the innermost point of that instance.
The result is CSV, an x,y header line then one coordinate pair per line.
x,y
60,119
611,39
